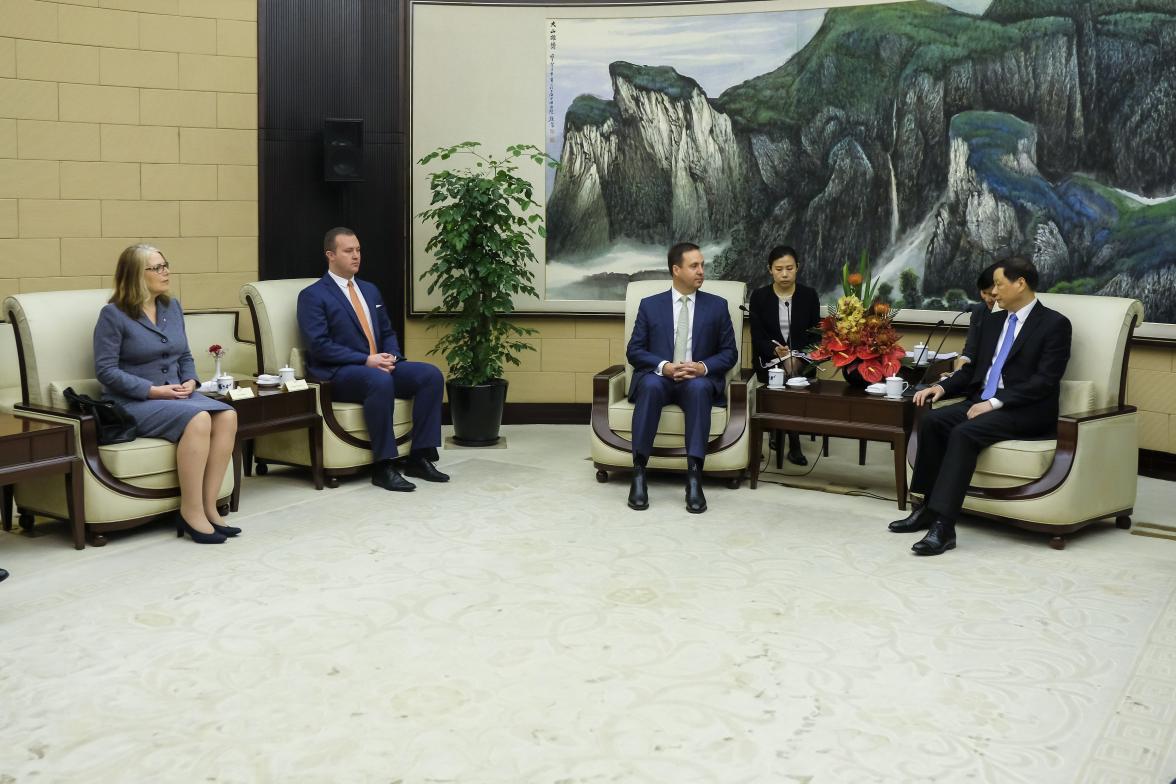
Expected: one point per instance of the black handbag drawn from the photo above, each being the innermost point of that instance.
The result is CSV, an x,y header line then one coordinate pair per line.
x,y
115,425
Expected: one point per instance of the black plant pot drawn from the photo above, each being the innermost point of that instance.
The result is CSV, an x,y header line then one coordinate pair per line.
x,y
853,377
476,411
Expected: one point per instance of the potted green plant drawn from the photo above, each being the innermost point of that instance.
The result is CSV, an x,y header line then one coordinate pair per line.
x,y
485,218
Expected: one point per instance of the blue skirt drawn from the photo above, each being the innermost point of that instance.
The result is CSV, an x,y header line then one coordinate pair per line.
x,y
168,418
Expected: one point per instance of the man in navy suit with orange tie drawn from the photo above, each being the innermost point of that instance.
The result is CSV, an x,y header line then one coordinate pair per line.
x,y
350,342
681,348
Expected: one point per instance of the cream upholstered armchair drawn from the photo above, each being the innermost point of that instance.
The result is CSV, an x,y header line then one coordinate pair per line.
x,y
347,448
123,485
612,413
1088,473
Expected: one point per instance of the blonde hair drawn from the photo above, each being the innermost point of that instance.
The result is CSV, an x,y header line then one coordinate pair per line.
x,y
130,287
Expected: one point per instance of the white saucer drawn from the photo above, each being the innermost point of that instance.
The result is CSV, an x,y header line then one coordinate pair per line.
x,y
790,385
876,389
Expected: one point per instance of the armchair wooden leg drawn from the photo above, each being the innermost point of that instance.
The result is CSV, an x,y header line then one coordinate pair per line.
x,y
1058,543
602,476
1123,521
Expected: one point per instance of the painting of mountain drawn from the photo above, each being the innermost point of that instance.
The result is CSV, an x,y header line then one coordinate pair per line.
x,y
933,138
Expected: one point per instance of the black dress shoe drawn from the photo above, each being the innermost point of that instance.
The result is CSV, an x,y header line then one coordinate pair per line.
x,y
918,520
421,468
638,491
387,477
695,500
795,455
939,539
3,575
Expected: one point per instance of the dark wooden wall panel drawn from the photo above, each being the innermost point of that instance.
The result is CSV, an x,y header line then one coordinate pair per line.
x,y
332,58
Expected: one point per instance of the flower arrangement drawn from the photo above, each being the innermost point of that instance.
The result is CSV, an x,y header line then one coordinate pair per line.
x,y
859,336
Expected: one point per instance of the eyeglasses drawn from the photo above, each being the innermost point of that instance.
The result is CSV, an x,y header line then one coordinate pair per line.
x,y
159,269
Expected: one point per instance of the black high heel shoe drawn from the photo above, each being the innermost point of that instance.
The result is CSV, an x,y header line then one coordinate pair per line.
x,y
198,537
227,530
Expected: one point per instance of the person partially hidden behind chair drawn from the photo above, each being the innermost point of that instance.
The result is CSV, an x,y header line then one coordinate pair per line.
x,y
350,342
781,316
681,348
142,360
984,285
1011,391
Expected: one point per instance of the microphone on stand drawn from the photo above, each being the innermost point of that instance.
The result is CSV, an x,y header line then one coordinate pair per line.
x,y
923,380
919,356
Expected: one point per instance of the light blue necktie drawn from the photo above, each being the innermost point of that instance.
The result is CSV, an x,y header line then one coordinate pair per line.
x,y
1001,356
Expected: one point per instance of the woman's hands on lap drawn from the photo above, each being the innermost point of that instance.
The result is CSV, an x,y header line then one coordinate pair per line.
x,y
173,391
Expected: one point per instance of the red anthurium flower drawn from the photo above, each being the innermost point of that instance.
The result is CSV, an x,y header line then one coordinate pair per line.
x,y
843,358
871,372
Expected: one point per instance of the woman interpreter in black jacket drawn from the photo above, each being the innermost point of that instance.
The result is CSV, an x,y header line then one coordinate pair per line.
x,y
782,315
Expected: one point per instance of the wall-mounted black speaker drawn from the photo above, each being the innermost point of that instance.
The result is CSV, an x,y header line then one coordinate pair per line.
x,y
342,150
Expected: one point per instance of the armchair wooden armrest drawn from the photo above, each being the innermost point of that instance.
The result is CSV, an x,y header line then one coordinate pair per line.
x,y
86,430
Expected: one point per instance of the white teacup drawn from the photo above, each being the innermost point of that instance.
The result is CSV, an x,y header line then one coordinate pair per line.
x,y
775,378
224,383
798,381
286,374
895,386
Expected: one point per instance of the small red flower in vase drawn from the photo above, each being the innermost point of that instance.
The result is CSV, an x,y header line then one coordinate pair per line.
x,y
217,351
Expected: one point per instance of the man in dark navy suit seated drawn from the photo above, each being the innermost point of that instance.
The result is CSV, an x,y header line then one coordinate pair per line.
x,y
681,348
350,342
1011,390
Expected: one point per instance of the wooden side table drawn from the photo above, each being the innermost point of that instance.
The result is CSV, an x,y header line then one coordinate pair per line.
x,y
834,408
274,410
29,449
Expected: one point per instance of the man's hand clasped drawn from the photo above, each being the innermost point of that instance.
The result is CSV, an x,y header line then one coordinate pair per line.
x,y
385,362
683,371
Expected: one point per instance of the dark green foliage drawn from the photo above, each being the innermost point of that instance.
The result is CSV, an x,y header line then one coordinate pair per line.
x,y
485,218
1079,286
955,299
1016,10
908,285
885,293
860,54
659,78
589,110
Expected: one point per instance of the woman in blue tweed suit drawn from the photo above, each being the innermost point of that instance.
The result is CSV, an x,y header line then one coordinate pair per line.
x,y
141,357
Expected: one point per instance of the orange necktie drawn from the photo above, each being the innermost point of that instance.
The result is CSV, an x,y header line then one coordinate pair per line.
x,y
363,322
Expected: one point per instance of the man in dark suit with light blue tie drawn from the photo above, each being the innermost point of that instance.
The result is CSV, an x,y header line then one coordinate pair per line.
x,y
350,342
681,348
1011,391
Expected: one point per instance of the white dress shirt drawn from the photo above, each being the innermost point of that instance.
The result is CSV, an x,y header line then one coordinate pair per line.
x,y
677,296
1021,315
363,302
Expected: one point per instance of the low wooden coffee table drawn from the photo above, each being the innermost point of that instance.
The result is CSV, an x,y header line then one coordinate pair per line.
x,y
834,408
271,411
29,449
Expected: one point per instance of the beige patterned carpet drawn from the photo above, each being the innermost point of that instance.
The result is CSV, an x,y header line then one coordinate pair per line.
x,y
522,625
